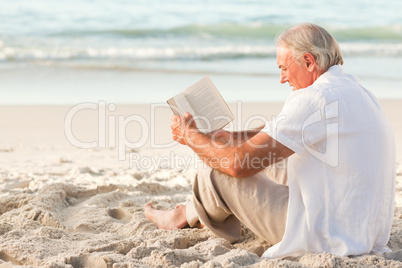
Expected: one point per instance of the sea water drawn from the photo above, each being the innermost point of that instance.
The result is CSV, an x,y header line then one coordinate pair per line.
x,y
149,40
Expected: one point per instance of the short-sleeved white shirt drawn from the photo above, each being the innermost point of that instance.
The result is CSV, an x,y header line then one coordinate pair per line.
x,y
342,175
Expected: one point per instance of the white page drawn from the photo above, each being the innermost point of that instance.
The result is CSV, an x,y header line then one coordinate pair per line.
x,y
210,109
203,101
183,104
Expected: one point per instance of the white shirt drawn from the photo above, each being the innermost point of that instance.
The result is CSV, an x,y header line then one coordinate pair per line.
x,y
342,175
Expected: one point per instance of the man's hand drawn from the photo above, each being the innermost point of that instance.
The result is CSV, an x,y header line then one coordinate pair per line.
x,y
181,127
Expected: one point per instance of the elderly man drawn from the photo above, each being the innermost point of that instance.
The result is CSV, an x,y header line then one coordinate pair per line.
x,y
340,166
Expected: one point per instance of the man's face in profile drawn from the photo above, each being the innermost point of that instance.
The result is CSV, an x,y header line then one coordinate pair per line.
x,y
297,75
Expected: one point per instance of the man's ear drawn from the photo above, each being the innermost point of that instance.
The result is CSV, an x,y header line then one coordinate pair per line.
x,y
309,61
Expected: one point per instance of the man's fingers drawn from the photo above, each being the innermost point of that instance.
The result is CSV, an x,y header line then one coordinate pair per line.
x,y
179,126
187,116
175,118
177,138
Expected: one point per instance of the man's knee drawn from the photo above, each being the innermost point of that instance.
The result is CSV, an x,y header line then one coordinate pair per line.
x,y
210,178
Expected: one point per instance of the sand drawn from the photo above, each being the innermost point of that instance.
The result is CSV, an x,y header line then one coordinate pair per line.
x,y
62,206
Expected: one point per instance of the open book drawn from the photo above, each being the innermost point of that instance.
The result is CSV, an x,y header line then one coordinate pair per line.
x,y
203,101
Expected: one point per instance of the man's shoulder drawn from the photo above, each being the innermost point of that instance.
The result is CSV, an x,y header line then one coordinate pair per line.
x,y
310,96
334,78
328,88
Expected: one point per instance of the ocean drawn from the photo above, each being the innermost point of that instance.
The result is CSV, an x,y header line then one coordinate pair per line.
x,y
54,52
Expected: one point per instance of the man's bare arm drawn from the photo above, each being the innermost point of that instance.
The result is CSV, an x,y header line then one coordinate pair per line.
x,y
241,160
235,137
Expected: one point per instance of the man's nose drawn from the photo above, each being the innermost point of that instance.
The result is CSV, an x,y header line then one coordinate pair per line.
x,y
283,79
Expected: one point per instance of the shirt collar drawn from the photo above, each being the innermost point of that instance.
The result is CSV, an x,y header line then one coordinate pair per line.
x,y
334,70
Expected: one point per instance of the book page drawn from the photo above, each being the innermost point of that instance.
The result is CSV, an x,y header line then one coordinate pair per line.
x,y
210,110
179,105
203,101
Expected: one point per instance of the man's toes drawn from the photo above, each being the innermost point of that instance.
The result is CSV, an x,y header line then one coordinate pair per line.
x,y
148,206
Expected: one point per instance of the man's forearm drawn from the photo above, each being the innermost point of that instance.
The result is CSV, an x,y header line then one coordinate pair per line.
x,y
240,160
243,136
237,137
215,150
240,155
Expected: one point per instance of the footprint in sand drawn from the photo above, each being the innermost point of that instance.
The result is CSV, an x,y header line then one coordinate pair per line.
x,y
119,214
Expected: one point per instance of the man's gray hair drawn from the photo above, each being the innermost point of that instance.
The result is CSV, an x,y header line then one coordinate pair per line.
x,y
311,38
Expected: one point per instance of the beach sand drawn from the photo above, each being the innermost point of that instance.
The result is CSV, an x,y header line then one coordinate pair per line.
x,y
62,206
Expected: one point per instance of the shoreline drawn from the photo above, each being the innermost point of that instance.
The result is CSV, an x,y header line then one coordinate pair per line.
x,y
62,85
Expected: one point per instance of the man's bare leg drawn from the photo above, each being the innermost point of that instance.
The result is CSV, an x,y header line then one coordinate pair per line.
x,y
167,219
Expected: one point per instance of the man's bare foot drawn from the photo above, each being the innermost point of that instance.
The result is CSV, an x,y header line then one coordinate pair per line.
x,y
166,219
